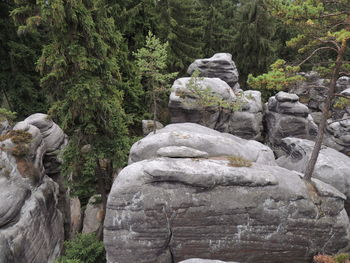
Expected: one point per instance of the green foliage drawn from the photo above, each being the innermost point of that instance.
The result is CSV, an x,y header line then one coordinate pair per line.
x,y
84,248
151,63
7,115
204,97
279,78
21,139
19,82
342,258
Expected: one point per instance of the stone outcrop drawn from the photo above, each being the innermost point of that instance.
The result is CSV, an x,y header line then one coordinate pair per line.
x,y
76,217
93,215
168,209
177,140
219,66
246,122
147,126
337,135
31,224
287,117
198,260
332,167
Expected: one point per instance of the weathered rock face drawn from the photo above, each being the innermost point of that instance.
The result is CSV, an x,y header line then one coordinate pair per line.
x,y
332,167
171,209
245,123
313,92
287,117
147,126
198,260
93,215
168,209
219,66
31,225
76,217
337,135
199,141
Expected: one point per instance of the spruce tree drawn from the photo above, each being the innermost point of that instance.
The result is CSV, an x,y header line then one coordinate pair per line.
x,y
79,67
181,25
254,48
19,82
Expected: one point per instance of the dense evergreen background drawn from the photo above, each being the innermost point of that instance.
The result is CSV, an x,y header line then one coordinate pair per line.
x,y
77,60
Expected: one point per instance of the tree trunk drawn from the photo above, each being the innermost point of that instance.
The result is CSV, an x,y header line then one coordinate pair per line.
x,y
154,112
325,113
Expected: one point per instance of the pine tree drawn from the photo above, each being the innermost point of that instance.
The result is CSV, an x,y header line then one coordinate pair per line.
x,y
79,67
254,48
19,82
181,25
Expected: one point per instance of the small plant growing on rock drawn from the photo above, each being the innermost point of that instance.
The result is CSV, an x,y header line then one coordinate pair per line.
x,y
21,139
7,115
238,161
339,258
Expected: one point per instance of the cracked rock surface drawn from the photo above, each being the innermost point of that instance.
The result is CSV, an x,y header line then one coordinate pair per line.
x,y
31,223
165,210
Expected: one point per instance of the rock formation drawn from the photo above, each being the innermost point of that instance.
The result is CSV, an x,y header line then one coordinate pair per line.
x,y
198,141
76,217
245,122
337,135
93,215
287,117
168,209
332,167
147,126
198,260
31,224
219,66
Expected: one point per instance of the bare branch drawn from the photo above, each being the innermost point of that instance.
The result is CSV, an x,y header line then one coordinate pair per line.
x,y
314,52
342,96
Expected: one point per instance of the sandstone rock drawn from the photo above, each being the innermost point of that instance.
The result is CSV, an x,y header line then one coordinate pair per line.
x,y
245,123
93,215
337,135
287,117
31,224
76,217
198,260
170,209
332,167
147,126
200,138
181,151
220,66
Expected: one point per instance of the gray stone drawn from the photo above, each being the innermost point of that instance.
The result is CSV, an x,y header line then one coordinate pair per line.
x,y
202,139
147,126
332,167
180,151
93,215
337,135
220,66
198,260
76,217
286,117
31,224
245,123
172,209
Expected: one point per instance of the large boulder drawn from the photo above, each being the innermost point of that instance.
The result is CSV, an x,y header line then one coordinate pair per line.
x,y
332,167
245,121
337,135
93,216
166,210
48,157
200,141
287,117
191,192
31,224
198,260
219,66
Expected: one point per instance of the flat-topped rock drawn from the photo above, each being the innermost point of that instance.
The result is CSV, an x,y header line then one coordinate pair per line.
x,y
220,66
286,117
172,209
245,121
200,138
